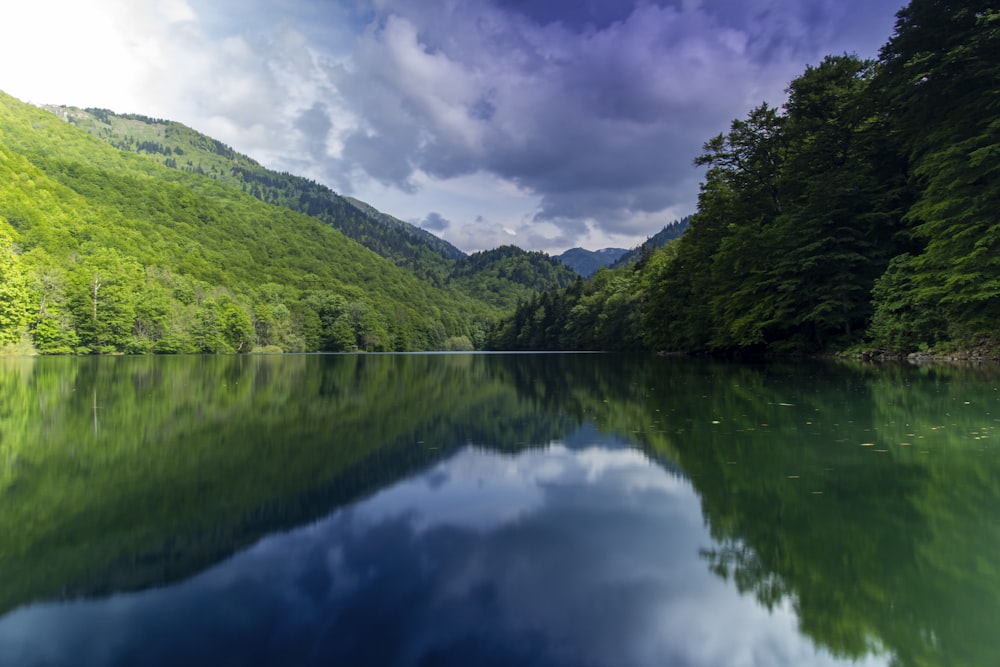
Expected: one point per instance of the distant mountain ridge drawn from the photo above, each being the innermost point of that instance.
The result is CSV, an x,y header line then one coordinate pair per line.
x,y
587,262
669,233
437,243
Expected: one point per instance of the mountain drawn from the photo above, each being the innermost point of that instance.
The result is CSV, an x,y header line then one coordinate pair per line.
x,y
104,250
443,248
508,275
586,262
669,233
429,258
180,147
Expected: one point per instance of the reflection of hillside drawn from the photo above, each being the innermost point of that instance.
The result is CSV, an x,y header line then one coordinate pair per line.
x,y
886,545
125,473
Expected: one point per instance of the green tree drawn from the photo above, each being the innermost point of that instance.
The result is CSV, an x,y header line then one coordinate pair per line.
x,y
222,325
103,291
207,333
939,77
237,326
14,296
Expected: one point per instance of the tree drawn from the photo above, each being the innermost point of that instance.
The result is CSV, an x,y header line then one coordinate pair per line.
x,y
237,327
14,297
222,325
836,234
751,155
939,80
104,287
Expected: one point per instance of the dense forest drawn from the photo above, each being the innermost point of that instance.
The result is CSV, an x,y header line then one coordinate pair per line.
x,y
108,251
861,214
133,234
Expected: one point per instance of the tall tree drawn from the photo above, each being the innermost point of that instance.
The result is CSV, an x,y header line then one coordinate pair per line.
x,y
104,288
939,78
14,298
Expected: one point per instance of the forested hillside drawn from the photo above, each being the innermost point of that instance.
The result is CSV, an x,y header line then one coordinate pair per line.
x,y
661,238
180,147
508,275
862,213
109,251
587,262
505,280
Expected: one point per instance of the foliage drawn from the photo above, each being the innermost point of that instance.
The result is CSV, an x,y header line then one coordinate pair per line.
x,y
507,275
601,313
939,78
421,253
795,223
105,251
14,296
862,212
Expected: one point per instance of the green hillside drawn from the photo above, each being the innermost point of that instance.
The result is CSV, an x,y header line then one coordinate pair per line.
x,y
103,250
180,147
669,233
501,278
508,275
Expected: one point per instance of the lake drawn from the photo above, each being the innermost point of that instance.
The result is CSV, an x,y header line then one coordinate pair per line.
x,y
476,509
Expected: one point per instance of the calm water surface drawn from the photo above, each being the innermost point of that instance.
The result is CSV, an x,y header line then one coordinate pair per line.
x,y
496,509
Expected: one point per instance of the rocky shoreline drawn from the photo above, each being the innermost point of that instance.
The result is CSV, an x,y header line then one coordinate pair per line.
x,y
985,354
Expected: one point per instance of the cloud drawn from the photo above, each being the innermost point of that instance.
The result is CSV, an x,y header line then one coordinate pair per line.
x,y
598,109
434,222
592,111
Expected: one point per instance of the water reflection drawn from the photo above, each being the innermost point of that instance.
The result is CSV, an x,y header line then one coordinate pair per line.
x,y
554,557
544,509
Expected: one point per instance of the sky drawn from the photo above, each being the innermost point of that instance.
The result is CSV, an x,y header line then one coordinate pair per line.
x,y
547,124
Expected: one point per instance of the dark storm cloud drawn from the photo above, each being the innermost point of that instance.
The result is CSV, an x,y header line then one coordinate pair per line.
x,y
434,222
577,14
315,125
597,107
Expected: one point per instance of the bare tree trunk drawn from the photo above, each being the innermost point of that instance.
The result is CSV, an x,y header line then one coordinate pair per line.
x,y
96,285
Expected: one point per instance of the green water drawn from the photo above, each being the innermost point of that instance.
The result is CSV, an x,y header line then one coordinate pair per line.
x,y
768,514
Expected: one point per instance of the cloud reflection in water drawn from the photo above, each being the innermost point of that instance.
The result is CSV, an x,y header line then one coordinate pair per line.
x,y
551,557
